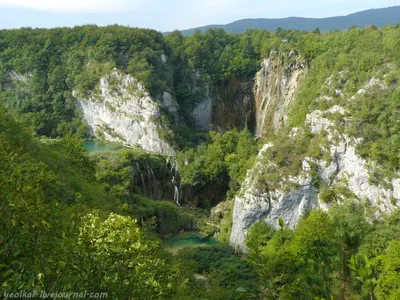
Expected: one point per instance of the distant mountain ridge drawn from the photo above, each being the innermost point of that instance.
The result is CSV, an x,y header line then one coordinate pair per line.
x,y
379,17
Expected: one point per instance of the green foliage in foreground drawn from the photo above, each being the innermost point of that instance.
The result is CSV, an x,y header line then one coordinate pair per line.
x,y
115,257
62,231
329,256
219,264
49,238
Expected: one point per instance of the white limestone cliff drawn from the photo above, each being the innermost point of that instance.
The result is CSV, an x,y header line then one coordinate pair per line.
x,y
275,86
121,110
297,194
254,204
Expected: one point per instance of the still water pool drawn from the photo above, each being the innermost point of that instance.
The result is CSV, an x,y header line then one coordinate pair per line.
x,y
187,240
96,146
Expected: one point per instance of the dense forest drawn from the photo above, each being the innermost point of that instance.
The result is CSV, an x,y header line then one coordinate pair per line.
x,y
73,221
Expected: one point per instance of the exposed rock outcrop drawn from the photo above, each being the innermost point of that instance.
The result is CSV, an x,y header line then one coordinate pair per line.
x,y
226,106
256,203
275,86
235,105
200,106
121,110
346,169
171,105
203,112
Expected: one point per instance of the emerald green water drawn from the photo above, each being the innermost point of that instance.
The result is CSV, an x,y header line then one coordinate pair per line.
x,y
187,240
96,146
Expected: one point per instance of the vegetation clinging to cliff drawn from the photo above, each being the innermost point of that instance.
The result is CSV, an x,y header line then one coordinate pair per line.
x,y
46,189
55,62
356,70
329,255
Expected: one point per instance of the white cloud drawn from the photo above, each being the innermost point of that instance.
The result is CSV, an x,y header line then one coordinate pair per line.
x,y
86,6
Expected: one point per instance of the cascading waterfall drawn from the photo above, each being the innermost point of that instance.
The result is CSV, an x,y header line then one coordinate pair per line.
x,y
154,183
176,192
176,195
149,180
143,184
141,175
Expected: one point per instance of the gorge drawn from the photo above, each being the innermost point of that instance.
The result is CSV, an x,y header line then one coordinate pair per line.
x,y
283,146
265,106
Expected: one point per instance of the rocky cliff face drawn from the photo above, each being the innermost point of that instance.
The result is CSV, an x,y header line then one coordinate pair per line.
x,y
171,105
256,203
260,105
234,106
342,170
121,110
275,86
226,106
202,112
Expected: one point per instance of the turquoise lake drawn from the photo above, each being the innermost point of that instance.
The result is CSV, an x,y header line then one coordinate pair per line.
x,y
96,146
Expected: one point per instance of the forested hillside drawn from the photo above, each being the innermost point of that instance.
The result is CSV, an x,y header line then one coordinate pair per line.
x,y
292,138
378,17
55,62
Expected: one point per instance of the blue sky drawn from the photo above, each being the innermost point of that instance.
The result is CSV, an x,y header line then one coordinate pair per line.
x,y
166,15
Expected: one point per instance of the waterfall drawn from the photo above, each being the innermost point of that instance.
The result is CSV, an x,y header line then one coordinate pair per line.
x,y
176,195
141,175
143,185
176,192
149,180
154,183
